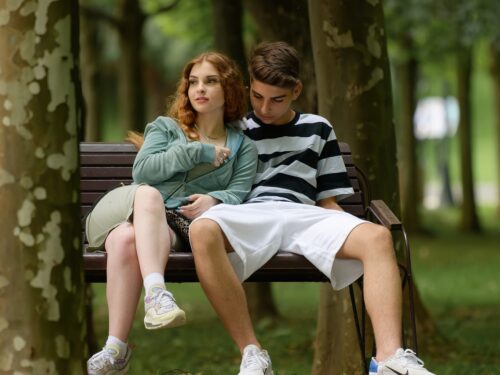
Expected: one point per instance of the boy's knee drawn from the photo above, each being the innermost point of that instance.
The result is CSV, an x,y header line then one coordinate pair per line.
x,y
203,232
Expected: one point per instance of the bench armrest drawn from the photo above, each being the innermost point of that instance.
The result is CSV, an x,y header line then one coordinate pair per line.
x,y
384,215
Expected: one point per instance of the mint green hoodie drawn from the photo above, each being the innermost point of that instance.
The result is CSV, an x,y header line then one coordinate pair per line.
x,y
166,157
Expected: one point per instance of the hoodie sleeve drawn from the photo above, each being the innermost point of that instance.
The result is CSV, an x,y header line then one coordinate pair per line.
x,y
244,170
165,152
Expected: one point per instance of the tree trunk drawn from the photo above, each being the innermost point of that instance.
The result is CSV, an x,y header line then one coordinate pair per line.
x,y
287,21
228,31
470,220
354,91
90,77
42,320
130,80
408,165
495,74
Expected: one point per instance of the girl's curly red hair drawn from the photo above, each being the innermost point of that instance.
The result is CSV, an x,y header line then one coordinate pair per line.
x,y
235,95
232,84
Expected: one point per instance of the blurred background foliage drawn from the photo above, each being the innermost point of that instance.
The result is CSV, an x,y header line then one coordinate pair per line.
x,y
437,48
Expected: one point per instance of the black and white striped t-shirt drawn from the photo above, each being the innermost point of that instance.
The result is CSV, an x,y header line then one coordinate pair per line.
x,y
299,161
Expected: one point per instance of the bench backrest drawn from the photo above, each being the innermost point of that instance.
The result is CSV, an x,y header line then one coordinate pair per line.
x,y
107,165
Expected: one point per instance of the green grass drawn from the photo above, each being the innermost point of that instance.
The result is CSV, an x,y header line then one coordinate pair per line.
x,y
456,275
203,347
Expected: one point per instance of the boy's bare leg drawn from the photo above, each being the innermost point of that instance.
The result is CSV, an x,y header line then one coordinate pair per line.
x,y
219,281
372,244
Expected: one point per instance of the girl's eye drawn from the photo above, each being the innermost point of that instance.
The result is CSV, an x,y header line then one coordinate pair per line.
x,y
212,81
192,82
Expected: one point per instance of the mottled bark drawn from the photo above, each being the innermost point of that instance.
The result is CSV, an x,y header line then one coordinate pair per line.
x,y
42,323
469,219
354,93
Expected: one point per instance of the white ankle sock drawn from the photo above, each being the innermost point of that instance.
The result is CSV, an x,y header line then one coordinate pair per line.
x,y
121,345
154,278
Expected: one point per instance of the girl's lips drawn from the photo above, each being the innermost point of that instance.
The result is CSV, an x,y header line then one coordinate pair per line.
x,y
201,99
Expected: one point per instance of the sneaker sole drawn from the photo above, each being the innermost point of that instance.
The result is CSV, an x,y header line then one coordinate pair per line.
x,y
123,371
174,319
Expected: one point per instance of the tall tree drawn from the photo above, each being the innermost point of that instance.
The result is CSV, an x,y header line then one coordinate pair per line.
x,y
354,92
288,21
495,74
41,285
470,218
129,22
228,30
403,23
89,45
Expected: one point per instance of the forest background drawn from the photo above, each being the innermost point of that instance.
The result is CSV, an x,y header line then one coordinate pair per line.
x,y
446,187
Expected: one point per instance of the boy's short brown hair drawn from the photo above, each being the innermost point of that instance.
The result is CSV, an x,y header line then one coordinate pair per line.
x,y
275,64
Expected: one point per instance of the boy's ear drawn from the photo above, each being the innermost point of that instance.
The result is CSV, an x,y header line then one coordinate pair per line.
x,y
297,90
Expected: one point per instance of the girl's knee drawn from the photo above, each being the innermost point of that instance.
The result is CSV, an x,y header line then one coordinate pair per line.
x,y
149,197
120,243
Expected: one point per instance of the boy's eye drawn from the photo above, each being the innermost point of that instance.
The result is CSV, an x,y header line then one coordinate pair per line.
x,y
278,100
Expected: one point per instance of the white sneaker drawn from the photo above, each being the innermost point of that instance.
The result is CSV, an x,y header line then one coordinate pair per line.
x,y
404,362
161,309
255,362
107,362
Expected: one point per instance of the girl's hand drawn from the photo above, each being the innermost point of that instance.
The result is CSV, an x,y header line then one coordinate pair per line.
x,y
221,155
199,203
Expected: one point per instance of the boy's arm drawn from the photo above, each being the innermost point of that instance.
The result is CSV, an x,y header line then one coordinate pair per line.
x,y
330,203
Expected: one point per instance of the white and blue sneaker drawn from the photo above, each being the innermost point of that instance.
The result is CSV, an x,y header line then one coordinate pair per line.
x,y
403,362
255,362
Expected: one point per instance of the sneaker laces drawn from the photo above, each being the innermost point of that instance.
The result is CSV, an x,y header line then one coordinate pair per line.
x,y
106,355
254,358
409,358
163,299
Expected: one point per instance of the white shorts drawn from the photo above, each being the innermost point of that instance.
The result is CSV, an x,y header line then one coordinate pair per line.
x,y
256,231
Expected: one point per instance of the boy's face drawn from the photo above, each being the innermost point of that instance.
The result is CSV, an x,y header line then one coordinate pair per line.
x,y
273,104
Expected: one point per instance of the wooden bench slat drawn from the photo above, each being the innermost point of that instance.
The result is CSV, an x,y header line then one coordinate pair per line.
x,y
87,160
106,172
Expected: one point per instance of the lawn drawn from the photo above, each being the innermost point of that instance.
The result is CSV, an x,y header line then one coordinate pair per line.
x,y
457,277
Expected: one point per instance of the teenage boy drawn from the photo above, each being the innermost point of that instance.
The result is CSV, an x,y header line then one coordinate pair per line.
x,y
293,207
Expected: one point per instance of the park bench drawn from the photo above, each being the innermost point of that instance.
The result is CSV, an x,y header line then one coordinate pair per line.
x,y
107,165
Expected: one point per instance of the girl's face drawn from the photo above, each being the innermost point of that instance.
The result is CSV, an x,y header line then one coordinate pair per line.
x,y
205,90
